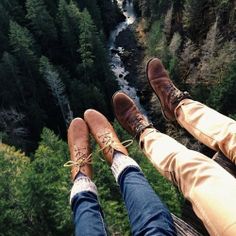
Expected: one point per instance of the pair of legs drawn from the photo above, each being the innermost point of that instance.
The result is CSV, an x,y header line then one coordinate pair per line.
x,y
210,189
147,214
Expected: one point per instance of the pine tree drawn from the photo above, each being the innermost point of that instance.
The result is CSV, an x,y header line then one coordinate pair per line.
x,y
57,88
42,23
15,8
10,78
4,27
14,218
196,18
68,21
93,10
86,40
23,47
222,96
48,187
110,14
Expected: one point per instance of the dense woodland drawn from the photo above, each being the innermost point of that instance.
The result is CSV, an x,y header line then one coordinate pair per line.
x,y
54,64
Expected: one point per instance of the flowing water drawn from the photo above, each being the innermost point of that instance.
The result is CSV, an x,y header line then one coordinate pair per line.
x,y
116,63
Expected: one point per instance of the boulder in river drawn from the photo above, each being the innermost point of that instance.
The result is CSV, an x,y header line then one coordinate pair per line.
x,y
114,50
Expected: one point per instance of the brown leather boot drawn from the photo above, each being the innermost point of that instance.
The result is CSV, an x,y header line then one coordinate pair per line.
x,y
128,114
104,134
168,95
80,154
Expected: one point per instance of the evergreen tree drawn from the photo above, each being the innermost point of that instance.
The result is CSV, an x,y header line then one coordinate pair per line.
x,y
10,78
4,27
222,95
196,18
15,8
41,21
93,10
84,96
25,51
110,14
86,39
48,187
23,47
57,87
14,217
68,19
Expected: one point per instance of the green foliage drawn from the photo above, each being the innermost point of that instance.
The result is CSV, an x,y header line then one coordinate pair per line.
x,y
65,33
4,24
15,9
197,15
110,15
86,96
57,87
47,183
14,165
22,43
155,38
86,41
68,31
222,96
34,196
94,10
41,21
10,77
153,9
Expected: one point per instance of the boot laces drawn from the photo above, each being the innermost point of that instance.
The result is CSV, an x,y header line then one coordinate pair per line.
x,y
175,94
81,158
137,124
80,153
109,142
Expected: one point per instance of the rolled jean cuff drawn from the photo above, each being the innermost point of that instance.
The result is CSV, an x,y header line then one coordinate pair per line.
x,y
82,184
120,163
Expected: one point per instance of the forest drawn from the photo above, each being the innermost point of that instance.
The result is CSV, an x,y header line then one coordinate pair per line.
x,y
55,64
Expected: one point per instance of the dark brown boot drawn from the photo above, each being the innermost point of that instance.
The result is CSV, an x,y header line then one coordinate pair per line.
x,y
128,114
168,95
104,134
78,141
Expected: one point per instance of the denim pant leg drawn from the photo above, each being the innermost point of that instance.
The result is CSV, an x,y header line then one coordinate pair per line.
x,y
88,216
147,214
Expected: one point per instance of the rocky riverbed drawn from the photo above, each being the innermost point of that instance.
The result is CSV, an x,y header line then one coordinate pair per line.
x,y
133,58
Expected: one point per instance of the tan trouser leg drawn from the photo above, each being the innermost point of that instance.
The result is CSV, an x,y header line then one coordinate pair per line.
x,y
210,189
208,126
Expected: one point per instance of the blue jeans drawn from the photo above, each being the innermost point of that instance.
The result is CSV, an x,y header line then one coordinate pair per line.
x,y
147,214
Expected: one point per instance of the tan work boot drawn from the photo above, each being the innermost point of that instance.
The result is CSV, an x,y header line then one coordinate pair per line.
x,y
168,95
128,114
104,134
78,141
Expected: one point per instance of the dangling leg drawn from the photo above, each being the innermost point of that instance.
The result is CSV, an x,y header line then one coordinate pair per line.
x,y
88,217
147,214
210,189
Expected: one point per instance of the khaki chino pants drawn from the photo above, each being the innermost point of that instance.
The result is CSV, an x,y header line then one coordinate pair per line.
x,y
210,189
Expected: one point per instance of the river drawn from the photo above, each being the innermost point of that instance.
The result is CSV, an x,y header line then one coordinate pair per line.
x,y
116,63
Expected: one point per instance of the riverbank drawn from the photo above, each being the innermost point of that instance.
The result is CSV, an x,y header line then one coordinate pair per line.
x,y
134,59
